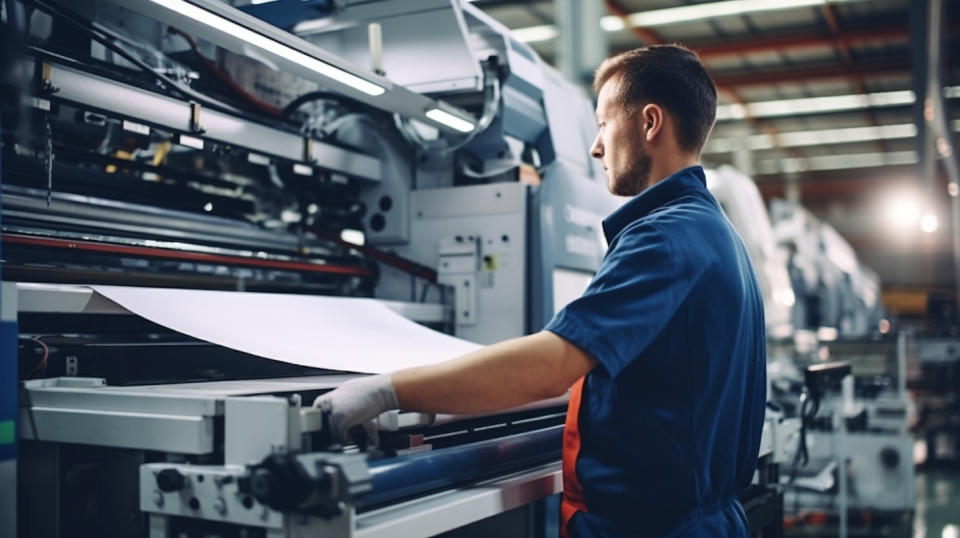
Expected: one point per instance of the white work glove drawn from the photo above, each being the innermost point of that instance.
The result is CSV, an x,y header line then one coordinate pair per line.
x,y
358,401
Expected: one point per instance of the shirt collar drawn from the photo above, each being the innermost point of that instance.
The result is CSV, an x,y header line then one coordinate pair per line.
x,y
658,195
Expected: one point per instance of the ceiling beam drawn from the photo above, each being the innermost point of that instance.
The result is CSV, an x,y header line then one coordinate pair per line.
x,y
796,42
646,35
801,74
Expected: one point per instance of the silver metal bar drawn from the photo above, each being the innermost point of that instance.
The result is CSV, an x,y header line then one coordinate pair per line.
x,y
449,510
112,97
220,500
54,393
145,431
84,410
64,299
69,208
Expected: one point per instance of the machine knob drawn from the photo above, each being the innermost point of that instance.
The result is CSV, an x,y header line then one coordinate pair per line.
x,y
889,457
263,485
169,480
280,482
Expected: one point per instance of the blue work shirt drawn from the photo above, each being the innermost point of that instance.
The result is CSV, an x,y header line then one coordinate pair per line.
x,y
664,433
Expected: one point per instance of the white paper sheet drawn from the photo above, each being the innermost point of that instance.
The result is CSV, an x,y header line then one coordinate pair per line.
x,y
336,333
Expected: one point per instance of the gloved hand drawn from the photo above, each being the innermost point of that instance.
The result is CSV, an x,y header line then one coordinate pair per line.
x,y
358,401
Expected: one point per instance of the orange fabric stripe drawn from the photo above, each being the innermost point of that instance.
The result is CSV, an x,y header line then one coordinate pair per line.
x,y
572,501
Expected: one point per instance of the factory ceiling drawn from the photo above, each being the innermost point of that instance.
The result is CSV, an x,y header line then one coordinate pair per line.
x,y
816,101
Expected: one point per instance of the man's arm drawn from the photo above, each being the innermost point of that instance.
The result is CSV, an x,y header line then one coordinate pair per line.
x,y
493,378
496,377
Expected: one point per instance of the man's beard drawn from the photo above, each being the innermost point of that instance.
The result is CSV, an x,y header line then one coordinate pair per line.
x,y
635,178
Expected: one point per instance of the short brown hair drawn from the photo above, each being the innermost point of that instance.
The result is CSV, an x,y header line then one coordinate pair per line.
x,y
670,76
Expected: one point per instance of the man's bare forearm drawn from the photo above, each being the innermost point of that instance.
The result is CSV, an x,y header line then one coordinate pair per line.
x,y
496,377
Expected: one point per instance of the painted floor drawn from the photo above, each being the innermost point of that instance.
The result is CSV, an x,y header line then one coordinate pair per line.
x,y
936,514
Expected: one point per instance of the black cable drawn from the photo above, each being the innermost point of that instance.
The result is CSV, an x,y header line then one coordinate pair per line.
x,y
320,95
807,415
108,38
809,407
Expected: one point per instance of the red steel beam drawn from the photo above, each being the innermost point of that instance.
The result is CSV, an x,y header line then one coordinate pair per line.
x,y
648,36
766,44
795,74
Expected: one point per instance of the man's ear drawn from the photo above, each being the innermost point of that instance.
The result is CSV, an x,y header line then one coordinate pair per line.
x,y
652,118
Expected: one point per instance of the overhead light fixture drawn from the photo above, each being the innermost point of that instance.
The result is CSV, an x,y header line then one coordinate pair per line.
x,y
814,105
674,15
836,162
448,119
713,10
263,42
847,134
816,137
929,222
819,105
534,34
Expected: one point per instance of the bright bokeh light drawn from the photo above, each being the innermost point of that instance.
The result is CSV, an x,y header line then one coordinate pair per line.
x,y
929,222
903,212
827,334
786,297
884,326
950,531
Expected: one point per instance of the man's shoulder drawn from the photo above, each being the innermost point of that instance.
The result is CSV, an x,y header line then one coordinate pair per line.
x,y
688,215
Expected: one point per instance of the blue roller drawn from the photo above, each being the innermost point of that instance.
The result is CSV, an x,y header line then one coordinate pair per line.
x,y
405,476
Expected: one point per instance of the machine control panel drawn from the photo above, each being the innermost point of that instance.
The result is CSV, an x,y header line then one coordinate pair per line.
x,y
203,492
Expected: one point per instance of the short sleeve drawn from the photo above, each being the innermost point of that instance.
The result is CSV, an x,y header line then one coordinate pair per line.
x,y
639,287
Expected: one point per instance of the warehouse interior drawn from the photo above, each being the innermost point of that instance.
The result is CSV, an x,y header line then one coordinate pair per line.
x,y
215,211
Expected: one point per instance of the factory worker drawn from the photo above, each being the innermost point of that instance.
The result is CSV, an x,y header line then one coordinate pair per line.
x,y
663,354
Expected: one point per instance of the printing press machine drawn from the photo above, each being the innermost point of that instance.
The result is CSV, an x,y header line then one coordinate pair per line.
x,y
188,144
222,456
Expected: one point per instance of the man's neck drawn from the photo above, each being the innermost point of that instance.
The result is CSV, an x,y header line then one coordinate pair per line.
x,y
664,168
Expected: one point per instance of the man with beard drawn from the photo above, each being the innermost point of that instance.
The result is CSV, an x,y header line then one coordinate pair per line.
x,y
665,350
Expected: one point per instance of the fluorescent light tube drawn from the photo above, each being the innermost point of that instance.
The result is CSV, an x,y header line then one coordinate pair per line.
x,y
534,34
814,105
713,10
812,138
272,46
836,162
818,105
674,15
449,120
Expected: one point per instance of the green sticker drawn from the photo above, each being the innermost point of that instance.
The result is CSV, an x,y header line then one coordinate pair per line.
x,y
7,433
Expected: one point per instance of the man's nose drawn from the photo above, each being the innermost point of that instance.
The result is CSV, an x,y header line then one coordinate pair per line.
x,y
596,150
